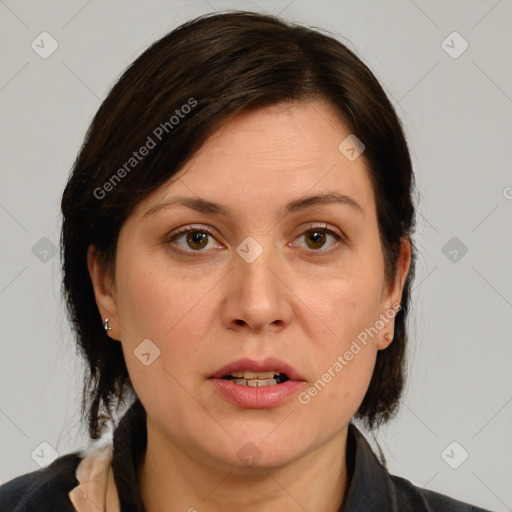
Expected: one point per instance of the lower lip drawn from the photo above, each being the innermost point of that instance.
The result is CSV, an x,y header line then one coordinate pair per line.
x,y
257,397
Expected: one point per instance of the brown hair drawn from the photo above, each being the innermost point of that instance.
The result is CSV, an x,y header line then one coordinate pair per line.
x,y
220,65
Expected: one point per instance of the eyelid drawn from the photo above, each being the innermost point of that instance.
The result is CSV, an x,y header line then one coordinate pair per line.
x,y
189,227
336,232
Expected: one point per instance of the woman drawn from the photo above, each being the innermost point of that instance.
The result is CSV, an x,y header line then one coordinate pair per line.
x,y
237,260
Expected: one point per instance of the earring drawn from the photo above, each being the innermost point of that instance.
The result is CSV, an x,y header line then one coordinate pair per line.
x,y
106,326
388,336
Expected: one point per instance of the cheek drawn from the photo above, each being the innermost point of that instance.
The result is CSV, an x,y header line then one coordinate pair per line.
x,y
344,364
174,310
348,303
345,349
155,299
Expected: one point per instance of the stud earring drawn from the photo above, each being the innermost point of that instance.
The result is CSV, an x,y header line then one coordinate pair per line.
x,y
106,326
388,336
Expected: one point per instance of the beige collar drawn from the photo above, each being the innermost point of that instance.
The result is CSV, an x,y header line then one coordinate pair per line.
x,y
96,491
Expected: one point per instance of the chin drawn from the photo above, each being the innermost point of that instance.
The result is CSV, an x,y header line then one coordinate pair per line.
x,y
252,452
250,460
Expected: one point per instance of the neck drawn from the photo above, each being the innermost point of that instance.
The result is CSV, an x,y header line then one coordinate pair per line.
x,y
171,480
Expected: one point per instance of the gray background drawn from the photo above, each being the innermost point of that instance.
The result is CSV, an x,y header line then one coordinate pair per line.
x,y
457,113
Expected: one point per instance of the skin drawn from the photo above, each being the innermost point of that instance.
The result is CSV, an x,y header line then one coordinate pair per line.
x,y
300,301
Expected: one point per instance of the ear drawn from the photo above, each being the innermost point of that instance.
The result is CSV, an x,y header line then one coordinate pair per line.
x,y
103,291
392,294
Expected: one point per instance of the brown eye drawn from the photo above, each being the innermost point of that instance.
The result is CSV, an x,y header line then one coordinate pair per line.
x,y
315,239
193,240
197,239
318,239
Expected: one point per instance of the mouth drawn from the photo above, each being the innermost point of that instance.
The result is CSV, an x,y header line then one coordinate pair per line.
x,y
248,372
251,384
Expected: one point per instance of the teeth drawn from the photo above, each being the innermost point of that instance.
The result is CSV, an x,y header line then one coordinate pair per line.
x,y
266,375
254,375
256,379
255,383
259,383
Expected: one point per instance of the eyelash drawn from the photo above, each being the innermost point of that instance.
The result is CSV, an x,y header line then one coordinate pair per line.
x,y
204,229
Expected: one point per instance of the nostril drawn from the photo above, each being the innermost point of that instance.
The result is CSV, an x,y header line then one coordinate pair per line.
x,y
239,322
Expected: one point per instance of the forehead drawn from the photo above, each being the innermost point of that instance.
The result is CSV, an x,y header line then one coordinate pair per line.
x,y
273,154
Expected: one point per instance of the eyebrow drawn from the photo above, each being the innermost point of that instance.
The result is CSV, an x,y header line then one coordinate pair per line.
x,y
204,206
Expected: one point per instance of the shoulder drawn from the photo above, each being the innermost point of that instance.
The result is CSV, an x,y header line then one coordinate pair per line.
x,y
410,497
42,490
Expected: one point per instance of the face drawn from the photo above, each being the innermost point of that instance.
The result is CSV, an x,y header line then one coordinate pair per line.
x,y
261,255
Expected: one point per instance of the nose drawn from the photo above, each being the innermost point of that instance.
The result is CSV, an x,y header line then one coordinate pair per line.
x,y
257,296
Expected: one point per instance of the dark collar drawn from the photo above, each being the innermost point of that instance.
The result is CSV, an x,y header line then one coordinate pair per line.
x,y
371,488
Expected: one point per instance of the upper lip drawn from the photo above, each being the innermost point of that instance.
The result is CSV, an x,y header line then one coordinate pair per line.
x,y
251,365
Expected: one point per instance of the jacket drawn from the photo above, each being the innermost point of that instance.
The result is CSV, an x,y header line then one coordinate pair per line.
x,y
371,488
